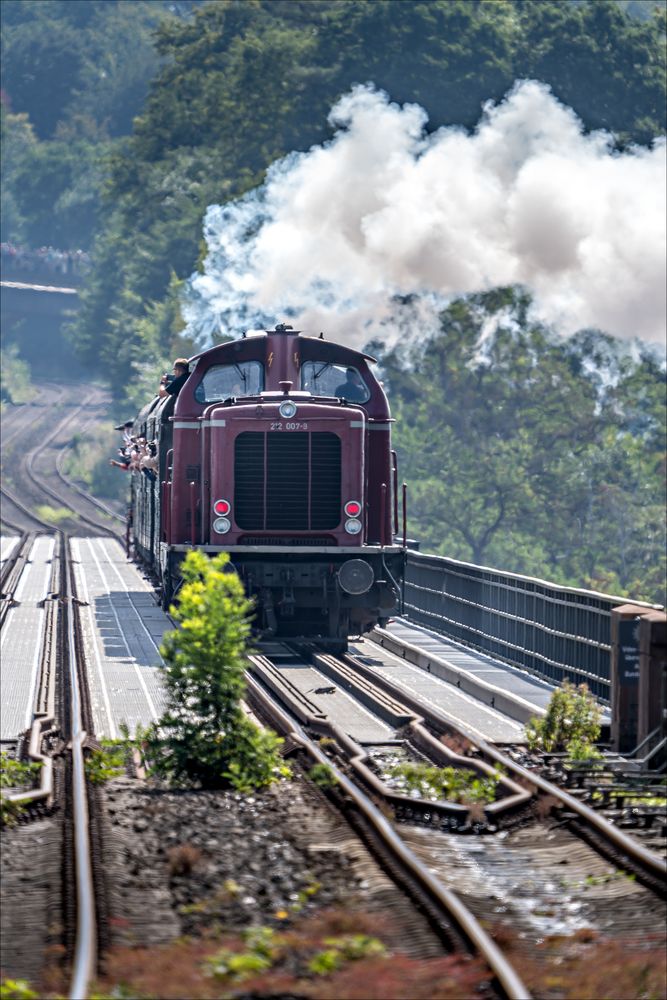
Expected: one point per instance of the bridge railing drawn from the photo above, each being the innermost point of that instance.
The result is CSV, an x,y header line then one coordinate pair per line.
x,y
556,632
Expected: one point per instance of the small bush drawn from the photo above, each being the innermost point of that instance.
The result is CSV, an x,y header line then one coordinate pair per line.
x,y
14,774
571,724
15,385
106,763
348,948
204,737
449,784
322,776
263,947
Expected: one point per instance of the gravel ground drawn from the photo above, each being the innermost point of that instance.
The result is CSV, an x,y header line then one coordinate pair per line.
x,y
185,862
30,896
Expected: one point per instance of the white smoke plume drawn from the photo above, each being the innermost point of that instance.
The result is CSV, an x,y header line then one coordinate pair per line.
x,y
385,209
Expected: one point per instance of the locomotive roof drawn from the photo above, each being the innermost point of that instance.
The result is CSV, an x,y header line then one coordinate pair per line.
x,y
328,350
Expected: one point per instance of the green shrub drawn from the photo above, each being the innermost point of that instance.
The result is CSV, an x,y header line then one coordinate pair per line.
x,y
204,737
108,762
262,949
54,515
16,773
571,724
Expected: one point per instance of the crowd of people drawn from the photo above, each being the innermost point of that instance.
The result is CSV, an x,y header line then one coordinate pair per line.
x,y
137,454
21,260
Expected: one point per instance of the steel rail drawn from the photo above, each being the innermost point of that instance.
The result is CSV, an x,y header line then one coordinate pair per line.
x,y
510,983
24,510
14,564
85,950
398,716
17,528
69,482
650,862
30,458
88,496
16,424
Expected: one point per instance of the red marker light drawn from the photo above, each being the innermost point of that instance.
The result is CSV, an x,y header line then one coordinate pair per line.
x,y
222,507
353,508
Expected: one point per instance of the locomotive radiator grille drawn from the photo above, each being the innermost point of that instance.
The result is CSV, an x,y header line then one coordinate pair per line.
x,y
287,481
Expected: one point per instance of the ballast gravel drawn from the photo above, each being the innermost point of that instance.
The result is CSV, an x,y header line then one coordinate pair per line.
x,y
184,862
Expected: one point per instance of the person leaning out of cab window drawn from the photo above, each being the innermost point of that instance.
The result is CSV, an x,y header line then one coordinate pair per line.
x,y
171,385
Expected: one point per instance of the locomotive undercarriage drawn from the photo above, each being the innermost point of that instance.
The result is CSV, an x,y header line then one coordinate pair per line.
x,y
303,595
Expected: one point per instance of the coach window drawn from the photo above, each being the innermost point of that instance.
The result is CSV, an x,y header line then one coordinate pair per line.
x,y
323,379
224,381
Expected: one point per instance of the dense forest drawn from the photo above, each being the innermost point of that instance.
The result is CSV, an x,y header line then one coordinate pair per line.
x,y
122,122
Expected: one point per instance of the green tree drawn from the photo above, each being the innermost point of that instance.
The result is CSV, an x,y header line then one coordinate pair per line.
x,y
205,737
244,83
530,452
66,58
608,66
18,140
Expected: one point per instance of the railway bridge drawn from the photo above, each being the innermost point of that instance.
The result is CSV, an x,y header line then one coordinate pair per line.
x,y
34,306
618,648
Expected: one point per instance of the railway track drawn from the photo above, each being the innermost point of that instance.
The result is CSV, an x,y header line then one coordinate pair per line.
x,y
86,508
525,837
55,739
515,833
612,787
448,914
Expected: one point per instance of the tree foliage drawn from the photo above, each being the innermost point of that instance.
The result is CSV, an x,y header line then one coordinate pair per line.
x,y
243,83
530,452
534,454
204,737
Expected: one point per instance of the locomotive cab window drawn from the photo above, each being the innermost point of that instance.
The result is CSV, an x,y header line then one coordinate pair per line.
x,y
223,381
323,379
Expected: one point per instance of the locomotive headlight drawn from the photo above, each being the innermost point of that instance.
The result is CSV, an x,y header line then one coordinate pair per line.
x,y
221,525
287,409
353,526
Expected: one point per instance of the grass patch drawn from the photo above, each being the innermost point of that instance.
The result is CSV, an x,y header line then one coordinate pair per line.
x,y
14,774
448,784
87,462
323,776
54,515
335,954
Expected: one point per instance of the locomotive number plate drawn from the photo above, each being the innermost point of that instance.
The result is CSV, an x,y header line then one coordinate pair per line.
x,y
290,425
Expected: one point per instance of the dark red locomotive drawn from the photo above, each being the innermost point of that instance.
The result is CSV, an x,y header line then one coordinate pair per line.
x,y
278,451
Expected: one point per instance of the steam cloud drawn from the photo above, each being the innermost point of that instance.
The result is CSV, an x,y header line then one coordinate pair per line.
x,y
385,210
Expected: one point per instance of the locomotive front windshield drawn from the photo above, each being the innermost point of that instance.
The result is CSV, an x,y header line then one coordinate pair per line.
x,y
323,379
246,378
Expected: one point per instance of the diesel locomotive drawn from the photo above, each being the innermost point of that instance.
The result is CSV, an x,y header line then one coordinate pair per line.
x,y
277,450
